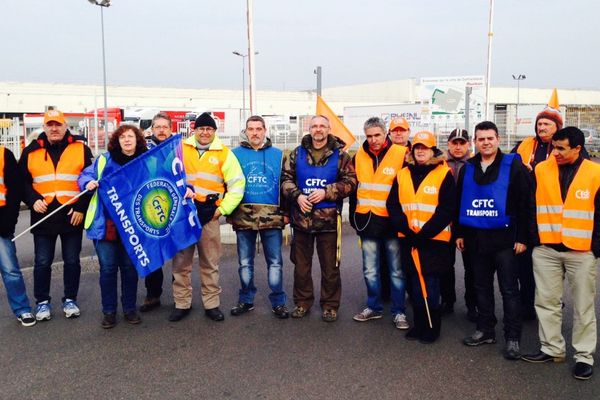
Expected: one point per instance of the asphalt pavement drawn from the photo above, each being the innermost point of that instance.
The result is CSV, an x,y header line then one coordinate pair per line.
x,y
256,356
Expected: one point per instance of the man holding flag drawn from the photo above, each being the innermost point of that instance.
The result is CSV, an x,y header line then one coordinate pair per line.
x,y
218,181
50,167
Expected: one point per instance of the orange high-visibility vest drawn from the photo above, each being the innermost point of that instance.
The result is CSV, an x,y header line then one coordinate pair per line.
x,y
2,184
59,182
419,206
205,172
572,222
374,186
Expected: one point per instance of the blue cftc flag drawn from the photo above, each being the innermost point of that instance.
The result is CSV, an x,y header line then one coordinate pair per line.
x,y
145,200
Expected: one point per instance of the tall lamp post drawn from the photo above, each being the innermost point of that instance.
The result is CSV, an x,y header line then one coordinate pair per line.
x,y
237,53
518,78
103,4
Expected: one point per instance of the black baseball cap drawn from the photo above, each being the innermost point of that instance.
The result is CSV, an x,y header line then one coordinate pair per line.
x,y
459,134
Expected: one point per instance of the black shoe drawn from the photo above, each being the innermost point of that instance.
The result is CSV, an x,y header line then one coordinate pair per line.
x,y
582,371
281,312
109,320
512,351
479,338
215,314
150,303
541,357
133,317
241,308
178,314
472,314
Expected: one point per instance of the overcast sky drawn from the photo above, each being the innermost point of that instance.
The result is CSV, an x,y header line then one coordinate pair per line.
x,y
189,43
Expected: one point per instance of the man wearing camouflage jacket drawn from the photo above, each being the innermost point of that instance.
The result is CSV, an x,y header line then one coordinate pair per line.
x,y
316,177
259,213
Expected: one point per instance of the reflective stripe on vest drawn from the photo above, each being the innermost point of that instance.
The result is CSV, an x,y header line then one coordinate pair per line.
x,y
374,185
59,182
93,206
420,206
571,223
2,185
204,172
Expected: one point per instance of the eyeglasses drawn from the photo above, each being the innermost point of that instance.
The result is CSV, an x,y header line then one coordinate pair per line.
x,y
206,129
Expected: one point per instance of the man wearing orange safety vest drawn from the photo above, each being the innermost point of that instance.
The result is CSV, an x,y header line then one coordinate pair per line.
x,y
377,162
218,181
567,239
50,166
533,150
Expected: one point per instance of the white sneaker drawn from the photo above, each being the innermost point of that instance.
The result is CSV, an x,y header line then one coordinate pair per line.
x,y
43,311
401,322
26,319
70,309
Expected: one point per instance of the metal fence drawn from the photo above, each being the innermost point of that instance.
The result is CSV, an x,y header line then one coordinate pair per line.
x,y
11,136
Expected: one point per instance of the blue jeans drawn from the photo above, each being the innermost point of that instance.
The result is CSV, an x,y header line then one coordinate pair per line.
x,y
371,254
12,277
246,247
113,257
44,246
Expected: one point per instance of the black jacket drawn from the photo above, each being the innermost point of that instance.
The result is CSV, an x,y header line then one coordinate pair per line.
x,y
566,174
61,221
518,207
9,214
370,225
435,255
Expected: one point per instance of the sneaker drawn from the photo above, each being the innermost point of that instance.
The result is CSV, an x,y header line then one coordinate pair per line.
x,y
512,350
242,308
367,314
478,338
43,311
281,312
26,319
401,322
299,312
329,315
70,309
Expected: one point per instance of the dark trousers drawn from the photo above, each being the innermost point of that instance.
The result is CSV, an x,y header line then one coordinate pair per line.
x,y
526,281
448,283
153,283
44,247
470,294
302,255
433,285
505,265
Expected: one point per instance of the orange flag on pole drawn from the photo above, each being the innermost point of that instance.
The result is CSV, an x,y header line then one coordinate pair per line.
x,y
337,126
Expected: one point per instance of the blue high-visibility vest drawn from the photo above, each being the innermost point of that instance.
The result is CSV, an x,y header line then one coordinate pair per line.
x,y
313,177
262,169
484,206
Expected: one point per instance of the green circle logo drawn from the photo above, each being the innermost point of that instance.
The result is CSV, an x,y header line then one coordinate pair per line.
x,y
155,207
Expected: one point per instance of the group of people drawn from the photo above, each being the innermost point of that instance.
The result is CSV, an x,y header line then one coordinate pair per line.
x,y
530,217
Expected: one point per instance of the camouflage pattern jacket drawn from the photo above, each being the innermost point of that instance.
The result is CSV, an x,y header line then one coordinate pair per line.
x,y
257,216
319,220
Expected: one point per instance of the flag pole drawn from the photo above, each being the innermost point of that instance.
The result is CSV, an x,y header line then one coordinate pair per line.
x,y
415,256
49,215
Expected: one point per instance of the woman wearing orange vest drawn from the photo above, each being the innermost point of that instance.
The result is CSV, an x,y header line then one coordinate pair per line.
x,y
421,205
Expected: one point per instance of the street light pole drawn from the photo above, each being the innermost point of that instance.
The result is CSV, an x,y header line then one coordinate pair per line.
x,y
518,78
103,4
237,53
